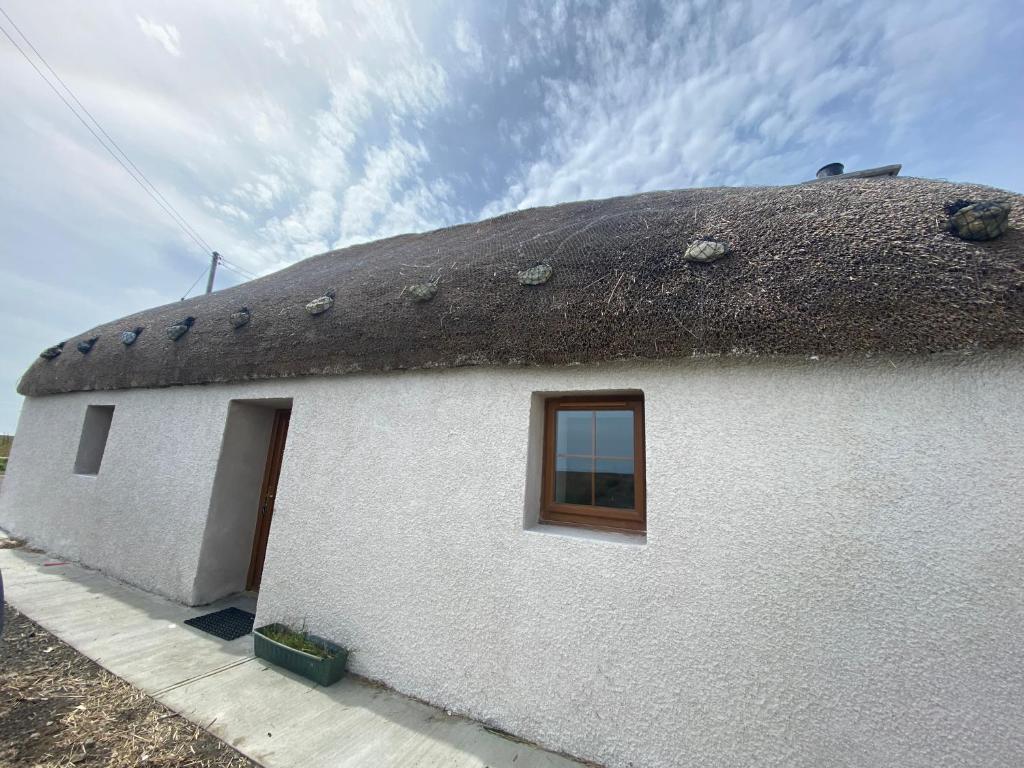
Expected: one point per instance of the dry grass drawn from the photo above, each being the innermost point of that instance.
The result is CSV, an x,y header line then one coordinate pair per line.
x,y
299,640
58,708
6,441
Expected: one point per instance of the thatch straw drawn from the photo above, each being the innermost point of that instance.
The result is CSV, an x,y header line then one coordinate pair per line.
x,y
848,267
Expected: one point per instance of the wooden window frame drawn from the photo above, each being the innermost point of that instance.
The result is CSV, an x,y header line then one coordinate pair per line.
x,y
590,516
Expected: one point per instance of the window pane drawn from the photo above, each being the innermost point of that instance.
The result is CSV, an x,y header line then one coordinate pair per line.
x,y
614,484
615,433
574,432
572,480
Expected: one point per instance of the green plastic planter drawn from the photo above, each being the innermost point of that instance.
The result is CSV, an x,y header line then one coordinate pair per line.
x,y
315,668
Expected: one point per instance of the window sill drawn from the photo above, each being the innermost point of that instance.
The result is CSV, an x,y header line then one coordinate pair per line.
x,y
588,534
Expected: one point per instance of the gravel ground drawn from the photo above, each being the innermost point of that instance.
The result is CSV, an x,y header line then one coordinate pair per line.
x,y
58,708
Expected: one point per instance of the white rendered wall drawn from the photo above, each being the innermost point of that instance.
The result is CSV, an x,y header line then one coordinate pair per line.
x,y
141,519
833,572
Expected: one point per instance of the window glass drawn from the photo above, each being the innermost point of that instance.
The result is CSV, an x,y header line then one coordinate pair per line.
x,y
573,480
575,432
614,433
614,484
582,476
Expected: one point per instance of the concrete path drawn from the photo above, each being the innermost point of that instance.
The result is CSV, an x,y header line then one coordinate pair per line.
x,y
271,716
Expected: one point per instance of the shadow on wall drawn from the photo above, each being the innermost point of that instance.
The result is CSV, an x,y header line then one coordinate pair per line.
x,y
234,503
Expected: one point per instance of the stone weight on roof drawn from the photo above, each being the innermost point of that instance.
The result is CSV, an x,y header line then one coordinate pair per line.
x,y
536,275
179,328
240,318
984,220
85,346
705,251
422,291
130,337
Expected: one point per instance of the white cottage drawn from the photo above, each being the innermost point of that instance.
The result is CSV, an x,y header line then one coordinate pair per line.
x,y
543,470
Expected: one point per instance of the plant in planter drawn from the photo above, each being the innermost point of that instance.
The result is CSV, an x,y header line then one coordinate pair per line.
x,y
298,651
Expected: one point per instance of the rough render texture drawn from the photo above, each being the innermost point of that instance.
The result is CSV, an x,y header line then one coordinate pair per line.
x,y
832,573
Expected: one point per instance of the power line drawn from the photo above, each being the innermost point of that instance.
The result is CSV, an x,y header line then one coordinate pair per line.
x,y
237,271
173,212
201,276
97,137
234,265
141,179
245,278
235,268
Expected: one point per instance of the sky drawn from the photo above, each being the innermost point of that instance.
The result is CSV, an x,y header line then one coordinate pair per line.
x,y
283,129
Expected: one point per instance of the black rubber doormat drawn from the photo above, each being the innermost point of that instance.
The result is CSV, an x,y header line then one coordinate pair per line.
x,y
229,624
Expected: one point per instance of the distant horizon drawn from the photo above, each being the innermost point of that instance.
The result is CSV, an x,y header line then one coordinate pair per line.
x,y
280,132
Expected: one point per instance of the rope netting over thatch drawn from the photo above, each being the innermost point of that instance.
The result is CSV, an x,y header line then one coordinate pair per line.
x,y
830,268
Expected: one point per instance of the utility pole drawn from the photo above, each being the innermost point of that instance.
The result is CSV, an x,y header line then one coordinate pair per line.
x,y
214,258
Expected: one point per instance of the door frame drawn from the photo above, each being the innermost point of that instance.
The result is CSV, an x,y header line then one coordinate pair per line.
x,y
268,494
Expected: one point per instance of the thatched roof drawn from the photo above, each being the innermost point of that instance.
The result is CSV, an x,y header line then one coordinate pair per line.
x,y
852,267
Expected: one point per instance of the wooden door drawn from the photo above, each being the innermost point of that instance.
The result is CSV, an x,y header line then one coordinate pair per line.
x,y
267,493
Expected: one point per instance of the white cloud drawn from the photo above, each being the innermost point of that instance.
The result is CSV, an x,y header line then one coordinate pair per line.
x,y
734,93
262,191
347,192
226,209
308,18
278,47
165,34
392,197
467,43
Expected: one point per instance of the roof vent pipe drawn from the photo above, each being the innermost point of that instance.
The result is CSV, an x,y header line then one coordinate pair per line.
x,y
832,169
